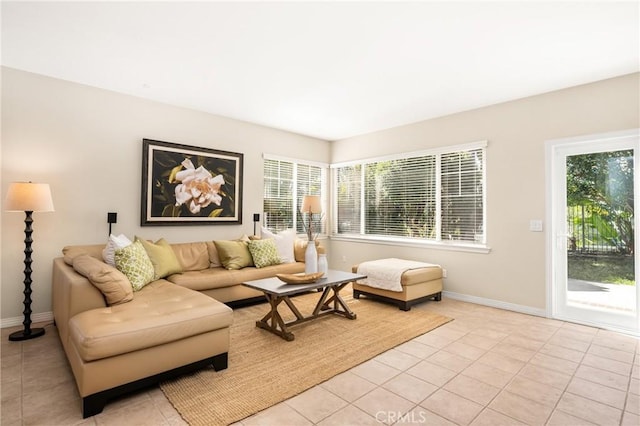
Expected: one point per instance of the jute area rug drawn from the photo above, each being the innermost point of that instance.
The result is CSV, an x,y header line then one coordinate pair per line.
x,y
265,369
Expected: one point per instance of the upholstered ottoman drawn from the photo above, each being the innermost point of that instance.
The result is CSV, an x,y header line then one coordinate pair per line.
x,y
418,285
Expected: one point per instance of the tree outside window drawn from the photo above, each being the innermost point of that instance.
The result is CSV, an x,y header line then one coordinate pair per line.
x,y
437,197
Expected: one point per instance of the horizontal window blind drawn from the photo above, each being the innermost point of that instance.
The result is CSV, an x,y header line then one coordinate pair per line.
x,y
278,195
462,196
348,195
286,182
400,197
437,196
308,182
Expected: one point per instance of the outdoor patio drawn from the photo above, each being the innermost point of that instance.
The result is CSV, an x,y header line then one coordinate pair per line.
x,y
616,297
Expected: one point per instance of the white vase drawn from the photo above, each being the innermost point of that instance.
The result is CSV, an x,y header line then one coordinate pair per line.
x,y
323,266
311,258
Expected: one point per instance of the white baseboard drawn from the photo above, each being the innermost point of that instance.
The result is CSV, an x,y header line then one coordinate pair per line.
x,y
496,304
35,318
48,316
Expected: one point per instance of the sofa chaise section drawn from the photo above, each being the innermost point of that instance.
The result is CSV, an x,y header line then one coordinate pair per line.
x,y
166,330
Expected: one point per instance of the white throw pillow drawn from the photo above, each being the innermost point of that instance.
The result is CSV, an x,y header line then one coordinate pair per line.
x,y
114,243
284,243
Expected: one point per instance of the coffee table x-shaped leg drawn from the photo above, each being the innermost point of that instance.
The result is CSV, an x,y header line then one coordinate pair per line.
x,y
330,303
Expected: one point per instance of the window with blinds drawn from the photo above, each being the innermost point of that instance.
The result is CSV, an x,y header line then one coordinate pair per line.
x,y
278,201
462,196
435,196
348,196
286,182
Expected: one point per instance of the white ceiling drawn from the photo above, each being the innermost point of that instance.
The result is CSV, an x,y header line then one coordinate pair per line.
x,y
328,69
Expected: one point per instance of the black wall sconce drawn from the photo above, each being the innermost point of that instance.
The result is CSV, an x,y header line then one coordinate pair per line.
x,y
256,219
111,218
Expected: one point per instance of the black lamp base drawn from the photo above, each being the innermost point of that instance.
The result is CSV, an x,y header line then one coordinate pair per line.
x,y
27,332
22,335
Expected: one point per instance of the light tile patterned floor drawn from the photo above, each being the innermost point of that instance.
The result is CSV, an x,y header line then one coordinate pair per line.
x,y
488,367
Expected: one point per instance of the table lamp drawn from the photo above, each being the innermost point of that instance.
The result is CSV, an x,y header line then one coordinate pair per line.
x,y
311,205
28,197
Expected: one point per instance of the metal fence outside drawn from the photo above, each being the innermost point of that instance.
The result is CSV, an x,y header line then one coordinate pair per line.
x,y
589,236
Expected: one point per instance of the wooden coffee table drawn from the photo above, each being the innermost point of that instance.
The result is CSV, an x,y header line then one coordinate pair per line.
x,y
277,292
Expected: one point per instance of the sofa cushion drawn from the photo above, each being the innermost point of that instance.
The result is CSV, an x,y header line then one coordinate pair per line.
x,y
207,279
284,241
214,258
112,283
159,313
93,250
192,256
213,278
417,276
234,254
162,257
134,262
71,252
264,253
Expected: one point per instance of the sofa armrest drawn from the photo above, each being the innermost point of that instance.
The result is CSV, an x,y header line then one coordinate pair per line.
x,y
72,293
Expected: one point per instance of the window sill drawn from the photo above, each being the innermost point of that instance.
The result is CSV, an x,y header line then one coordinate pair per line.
x,y
435,245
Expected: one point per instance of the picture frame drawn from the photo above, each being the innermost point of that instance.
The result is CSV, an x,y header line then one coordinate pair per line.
x,y
190,185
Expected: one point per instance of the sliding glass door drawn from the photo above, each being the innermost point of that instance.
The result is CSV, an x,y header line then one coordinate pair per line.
x,y
593,231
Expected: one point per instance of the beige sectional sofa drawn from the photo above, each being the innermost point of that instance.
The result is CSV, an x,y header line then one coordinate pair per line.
x,y
172,325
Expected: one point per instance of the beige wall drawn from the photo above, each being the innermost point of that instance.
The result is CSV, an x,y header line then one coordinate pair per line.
x,y
87,144
514,271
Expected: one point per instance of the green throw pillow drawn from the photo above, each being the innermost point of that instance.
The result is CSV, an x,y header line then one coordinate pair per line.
x,y
164,260
234,254
134,262
264,253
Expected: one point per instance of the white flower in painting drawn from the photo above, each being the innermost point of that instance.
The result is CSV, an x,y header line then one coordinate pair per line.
x,y
197,188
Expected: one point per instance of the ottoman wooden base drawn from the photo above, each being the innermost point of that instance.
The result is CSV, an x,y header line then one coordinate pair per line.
x,y
418,285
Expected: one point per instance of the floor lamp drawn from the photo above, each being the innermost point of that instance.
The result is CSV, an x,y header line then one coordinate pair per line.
x,y
28,197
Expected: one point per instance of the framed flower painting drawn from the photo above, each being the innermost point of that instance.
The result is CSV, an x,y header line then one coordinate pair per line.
x,y
189,185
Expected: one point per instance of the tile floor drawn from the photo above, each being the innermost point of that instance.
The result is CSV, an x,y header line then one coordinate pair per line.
x,y
488,367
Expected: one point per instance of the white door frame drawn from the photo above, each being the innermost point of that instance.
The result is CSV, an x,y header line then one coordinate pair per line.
x,y
552,149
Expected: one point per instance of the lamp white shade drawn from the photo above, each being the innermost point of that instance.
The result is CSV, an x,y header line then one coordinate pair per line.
x,y
28,196
311,204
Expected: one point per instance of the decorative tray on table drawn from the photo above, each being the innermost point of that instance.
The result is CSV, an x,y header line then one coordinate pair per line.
x,y
300,278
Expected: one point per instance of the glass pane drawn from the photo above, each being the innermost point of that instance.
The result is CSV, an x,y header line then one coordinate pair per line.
x,y
285,184
462,205
348,193
600,228
400,197
278,193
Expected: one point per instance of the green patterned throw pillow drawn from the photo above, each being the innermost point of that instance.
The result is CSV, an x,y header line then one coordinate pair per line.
x,y
264,253
134,262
